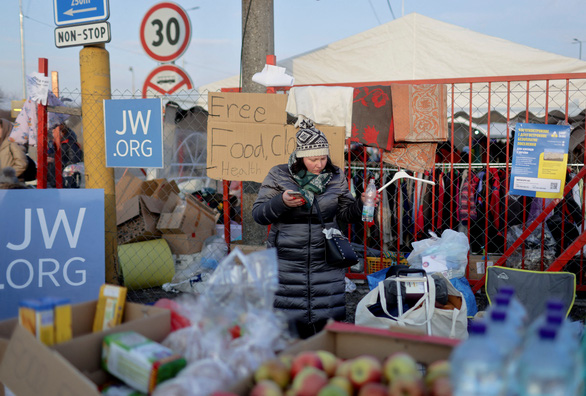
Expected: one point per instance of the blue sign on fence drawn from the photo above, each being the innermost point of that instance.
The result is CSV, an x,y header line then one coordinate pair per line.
x,y
73,12
134,133
51,244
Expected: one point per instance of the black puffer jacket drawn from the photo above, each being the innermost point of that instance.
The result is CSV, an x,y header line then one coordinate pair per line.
x,y
309,289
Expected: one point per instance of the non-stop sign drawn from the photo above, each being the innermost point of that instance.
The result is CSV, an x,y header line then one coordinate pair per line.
x,y
165,32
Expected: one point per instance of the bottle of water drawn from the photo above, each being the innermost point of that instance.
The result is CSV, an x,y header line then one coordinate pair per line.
x,y
508,339
516,307
544,367
368,207
503,302
477,364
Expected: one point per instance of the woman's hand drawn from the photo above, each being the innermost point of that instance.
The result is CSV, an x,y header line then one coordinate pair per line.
x,y
376,199
291,201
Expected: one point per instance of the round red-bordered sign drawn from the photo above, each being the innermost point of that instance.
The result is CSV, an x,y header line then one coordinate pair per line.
x,y
166,80
165,32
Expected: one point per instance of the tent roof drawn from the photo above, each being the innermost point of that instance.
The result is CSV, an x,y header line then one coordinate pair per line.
x,y
416,47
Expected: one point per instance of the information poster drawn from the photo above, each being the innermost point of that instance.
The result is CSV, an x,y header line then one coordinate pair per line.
x,y
51,245
540,158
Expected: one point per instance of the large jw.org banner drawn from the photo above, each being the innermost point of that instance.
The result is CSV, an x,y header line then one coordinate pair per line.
x,y
51,244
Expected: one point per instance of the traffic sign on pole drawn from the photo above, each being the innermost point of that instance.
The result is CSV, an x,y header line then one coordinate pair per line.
x,y
165,32
166,80
73,12
91,33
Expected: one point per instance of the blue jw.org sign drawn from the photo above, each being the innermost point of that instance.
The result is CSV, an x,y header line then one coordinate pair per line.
x,y
51,244
134,133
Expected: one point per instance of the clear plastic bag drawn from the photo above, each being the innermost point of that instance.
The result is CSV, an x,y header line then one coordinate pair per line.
x,y
452,247
235,326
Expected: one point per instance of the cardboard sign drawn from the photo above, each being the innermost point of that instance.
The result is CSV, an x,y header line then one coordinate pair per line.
x,y
245,152
250,108
54,246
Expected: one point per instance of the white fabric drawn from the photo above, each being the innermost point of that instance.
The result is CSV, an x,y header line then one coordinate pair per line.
x,y
444,322
416,47
273,76
323,105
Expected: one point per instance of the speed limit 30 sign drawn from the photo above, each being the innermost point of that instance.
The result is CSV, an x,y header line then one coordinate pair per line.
x,y
165,32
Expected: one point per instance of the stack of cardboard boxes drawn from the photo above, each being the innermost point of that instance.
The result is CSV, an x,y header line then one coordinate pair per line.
x,y
152,209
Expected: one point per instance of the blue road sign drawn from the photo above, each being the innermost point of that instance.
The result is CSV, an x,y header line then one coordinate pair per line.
x,y
72,12
134,133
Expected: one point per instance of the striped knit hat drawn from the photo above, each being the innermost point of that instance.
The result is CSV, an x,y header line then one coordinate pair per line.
x,y
311,142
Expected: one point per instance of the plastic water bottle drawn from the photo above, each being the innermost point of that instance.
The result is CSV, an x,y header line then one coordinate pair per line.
x,y
503,302
544,368
477,364
516,307
368,207
508,339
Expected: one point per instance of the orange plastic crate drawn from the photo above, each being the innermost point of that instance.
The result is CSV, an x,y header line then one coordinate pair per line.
x,y
373,264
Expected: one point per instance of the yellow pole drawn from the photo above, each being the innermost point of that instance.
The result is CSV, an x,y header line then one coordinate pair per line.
x,y
94,64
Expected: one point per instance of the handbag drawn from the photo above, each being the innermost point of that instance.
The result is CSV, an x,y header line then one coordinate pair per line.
x,y
339,252
452,323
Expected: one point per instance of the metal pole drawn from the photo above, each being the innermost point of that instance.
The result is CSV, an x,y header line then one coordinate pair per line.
x,y
22,49
94,70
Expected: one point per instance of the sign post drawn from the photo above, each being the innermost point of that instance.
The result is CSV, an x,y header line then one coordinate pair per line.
x,y
134,133
165,32
166,80
69,12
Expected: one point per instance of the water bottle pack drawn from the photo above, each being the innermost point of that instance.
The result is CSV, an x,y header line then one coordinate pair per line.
x,y
545,357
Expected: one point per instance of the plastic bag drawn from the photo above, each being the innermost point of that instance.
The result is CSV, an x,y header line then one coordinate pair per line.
x,y
213,251
235,327
452,248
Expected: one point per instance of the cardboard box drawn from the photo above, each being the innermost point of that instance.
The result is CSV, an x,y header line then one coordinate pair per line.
x,y
187,243
73,367
160,189
476,269
130,186
137,219
347,341
186,217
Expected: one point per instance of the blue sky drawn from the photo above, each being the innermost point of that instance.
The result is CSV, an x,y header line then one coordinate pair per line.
x,y
300,26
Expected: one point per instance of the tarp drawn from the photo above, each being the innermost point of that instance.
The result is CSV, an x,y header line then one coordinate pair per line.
x,y
416,47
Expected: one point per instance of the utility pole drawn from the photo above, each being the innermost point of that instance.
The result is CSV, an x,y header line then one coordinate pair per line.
x,y
257,42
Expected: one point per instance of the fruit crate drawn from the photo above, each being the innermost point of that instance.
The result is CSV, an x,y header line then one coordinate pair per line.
x,y
374,264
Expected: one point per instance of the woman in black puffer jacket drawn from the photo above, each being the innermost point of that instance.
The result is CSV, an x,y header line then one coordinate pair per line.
x,y
310,291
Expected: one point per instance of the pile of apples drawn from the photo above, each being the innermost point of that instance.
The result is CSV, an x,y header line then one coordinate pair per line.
x,y
321,373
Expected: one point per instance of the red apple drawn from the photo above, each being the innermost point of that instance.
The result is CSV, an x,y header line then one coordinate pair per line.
x,y
344,383
373,389
364,369
273,369
399,364
436,370
329,362
343,369
266,388
305,359
441,387
407,385
309,381
333,390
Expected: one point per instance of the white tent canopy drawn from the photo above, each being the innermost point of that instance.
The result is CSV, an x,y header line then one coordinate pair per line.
x,y
416,47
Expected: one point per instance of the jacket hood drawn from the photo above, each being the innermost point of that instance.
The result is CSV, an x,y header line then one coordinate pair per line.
x,y
6,129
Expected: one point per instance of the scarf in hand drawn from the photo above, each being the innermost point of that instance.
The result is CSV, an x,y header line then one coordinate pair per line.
x,y
310,184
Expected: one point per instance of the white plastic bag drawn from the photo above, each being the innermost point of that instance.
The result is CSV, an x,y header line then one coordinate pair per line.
x,y
452,248
452,323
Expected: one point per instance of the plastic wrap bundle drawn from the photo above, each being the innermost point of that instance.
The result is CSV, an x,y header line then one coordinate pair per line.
x,y
235,327
452,248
